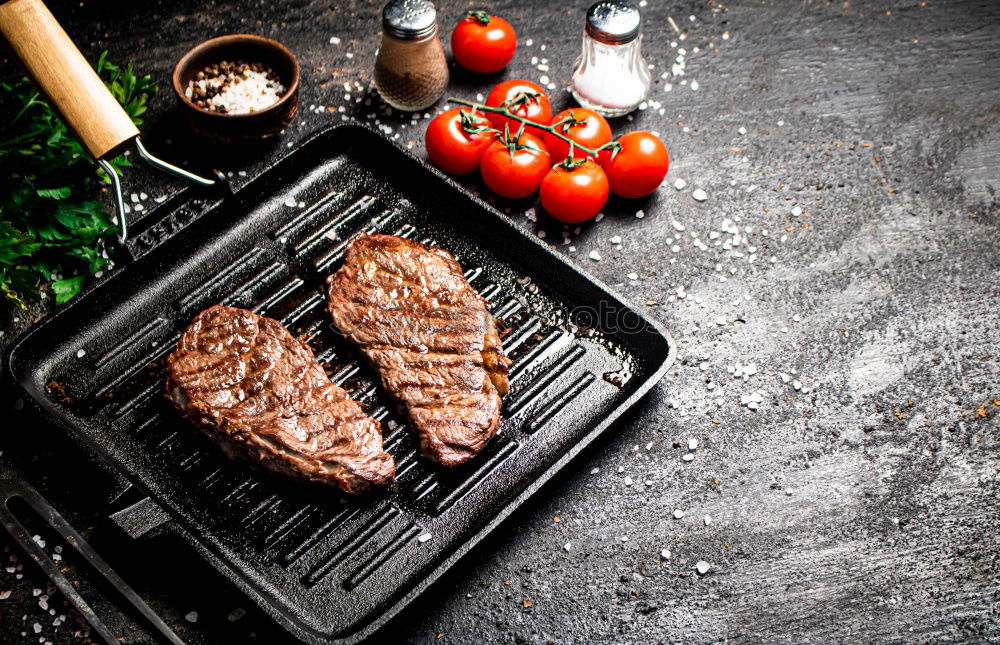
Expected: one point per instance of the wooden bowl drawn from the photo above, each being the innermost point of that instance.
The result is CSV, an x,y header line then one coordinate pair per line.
x,y
239,128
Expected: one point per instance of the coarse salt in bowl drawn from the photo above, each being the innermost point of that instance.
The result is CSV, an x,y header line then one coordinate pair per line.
x,y
257,107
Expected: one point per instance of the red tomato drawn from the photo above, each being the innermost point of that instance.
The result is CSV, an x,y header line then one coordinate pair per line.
x,y
483,43
524,99
518,175
639,167
593,132
453,149
574,195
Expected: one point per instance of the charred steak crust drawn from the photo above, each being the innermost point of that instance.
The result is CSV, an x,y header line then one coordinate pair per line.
x,y
259,393
430,337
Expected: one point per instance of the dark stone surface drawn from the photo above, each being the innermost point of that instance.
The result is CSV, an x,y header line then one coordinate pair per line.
x,y
862,506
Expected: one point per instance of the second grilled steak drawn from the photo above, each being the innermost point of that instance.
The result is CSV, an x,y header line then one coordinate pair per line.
x,y
430,337
259,393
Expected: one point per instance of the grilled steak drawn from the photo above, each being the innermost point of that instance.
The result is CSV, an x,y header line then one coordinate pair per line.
x,y
259,393
430,337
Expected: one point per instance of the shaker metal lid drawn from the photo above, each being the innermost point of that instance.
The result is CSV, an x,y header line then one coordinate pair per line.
x,y
409,19
614,22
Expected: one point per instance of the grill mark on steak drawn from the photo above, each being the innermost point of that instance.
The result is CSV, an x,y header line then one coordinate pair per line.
x,y
260,394
429,336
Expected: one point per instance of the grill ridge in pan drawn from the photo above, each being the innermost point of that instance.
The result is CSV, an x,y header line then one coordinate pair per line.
x,y
333,569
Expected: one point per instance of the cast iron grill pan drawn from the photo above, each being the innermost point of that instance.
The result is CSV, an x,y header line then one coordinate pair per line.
x,y
331,568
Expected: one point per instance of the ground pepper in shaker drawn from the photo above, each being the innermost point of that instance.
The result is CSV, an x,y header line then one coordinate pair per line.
x,y
611,77
411,72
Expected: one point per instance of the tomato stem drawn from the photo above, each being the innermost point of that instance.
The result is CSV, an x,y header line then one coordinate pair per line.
x,y
482,16
528,122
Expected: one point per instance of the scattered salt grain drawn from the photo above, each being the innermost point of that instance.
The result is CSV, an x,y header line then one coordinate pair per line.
x,y
4,595
708,520
424,537
80,353
617,239
639,214
624,538
236,614
742,130
692,444
677,226
334,40
752,400
628,480
567,547
633,276
680,184
678,513
699,195
594,471
796,211
191,616
595,256
665,554
702,567
688,457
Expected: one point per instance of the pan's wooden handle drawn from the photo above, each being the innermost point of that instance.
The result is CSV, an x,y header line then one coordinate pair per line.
x,y
64,75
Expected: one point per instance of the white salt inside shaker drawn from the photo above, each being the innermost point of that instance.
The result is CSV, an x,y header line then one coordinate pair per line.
x,y
610,76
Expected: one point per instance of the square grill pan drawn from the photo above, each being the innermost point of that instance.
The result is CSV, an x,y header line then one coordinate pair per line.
x,y
329,568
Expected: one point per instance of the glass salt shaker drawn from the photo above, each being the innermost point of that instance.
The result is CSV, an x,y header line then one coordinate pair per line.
x,y
611,77
411,72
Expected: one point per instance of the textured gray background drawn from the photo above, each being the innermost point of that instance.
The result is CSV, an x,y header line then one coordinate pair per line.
x,y
861,507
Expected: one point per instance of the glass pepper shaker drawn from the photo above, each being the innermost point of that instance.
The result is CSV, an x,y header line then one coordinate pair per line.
x,y
611,77
411,72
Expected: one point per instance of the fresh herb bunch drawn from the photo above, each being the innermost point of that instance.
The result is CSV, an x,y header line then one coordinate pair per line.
x,y
53,225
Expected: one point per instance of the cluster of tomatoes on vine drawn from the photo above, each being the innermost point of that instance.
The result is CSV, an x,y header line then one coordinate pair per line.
x,y
570,159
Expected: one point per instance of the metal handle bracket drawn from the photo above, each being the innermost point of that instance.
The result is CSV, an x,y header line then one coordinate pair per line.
x,y
156,162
